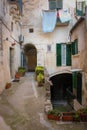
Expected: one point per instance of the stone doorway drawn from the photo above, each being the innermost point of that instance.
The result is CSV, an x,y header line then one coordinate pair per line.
x,y
61,83
30,56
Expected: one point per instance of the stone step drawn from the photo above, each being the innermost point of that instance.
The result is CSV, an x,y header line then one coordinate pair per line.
x,y
77,105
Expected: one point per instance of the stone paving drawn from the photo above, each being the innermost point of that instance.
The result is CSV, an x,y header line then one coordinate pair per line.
x,y
22,108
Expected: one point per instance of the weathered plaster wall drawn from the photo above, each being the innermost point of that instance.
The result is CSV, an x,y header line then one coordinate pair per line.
x,y
7,72
79,61
33,19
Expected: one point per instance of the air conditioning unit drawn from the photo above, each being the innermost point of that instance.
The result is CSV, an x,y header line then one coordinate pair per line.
x,y
21,38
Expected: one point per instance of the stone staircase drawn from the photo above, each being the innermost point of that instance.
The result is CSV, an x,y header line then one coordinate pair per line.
x,y
77,105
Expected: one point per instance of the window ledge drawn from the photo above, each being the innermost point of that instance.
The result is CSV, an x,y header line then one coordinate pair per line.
x,y
76,55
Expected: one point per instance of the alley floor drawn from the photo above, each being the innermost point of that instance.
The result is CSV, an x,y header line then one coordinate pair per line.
x,y
22,108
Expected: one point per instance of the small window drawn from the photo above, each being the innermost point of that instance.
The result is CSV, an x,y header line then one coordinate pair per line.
x,y
55,4
80,8
31,30
49,48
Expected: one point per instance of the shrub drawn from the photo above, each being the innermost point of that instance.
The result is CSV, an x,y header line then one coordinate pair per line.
x,y
39,69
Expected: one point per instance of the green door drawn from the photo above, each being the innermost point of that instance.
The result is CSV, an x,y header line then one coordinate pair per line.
x,y
79,87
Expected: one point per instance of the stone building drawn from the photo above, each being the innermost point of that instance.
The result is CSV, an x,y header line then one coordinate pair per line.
x,y
79,58
37,32
10,16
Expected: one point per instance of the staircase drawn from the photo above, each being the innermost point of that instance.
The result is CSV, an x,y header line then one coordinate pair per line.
x,y
77,105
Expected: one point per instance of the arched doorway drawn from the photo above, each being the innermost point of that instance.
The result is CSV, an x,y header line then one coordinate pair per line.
x,y
30,56
62,83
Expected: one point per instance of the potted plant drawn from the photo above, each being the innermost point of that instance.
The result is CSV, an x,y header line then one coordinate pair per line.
x,y
21,71
76,117
54,115
83,114
40,79
8,85
67,116
39,69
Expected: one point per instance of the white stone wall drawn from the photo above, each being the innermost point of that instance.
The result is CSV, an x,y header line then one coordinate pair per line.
x,y
33,19
8,63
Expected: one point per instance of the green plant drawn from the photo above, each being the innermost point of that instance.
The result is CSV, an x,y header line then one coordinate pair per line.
x,y
83,110
54,112
21,69
76,116
39,69
40,78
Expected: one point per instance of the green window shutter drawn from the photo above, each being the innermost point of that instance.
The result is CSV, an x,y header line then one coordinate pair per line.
x,y
74,76
52,4
75,47
55,4
68,55
80,8
58,54
59,4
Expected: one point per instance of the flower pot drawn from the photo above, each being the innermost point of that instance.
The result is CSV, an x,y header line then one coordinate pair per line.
x,y
67,116
52,117
8,85
17,75
83,117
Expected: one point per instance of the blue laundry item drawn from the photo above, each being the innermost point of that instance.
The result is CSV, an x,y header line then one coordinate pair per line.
x,y
49,18
64,16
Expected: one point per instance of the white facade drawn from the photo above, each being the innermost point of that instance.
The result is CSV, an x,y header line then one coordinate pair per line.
x,y
33,19
9,44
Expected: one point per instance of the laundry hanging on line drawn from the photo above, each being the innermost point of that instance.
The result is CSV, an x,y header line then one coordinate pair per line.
x,y
49,18
64,15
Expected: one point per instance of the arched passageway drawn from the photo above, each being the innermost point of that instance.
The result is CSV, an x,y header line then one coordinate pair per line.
x,y
30,57
61,83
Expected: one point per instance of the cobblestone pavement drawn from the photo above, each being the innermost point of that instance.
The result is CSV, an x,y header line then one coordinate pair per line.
x,y
22,108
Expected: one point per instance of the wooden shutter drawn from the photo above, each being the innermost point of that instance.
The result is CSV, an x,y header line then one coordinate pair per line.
x,y
68,55
75,47
74,75
52,4
79,87
80,8
55,4
58,54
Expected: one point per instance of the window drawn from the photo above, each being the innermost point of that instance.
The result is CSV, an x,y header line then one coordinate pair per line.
x,y
55,4
49,48
63,54
31,30
75,47
80,8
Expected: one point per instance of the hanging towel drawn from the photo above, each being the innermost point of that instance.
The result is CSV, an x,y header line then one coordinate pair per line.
x,y
49,18
64,16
